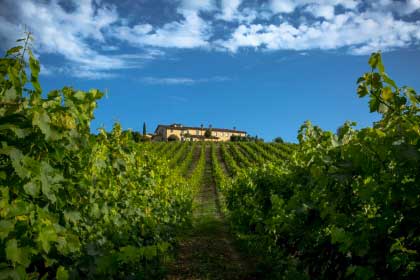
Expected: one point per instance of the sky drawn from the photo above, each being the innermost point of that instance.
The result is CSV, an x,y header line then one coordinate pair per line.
x,y
263,66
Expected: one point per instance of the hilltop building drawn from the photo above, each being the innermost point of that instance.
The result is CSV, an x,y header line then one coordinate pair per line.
x,y
188,133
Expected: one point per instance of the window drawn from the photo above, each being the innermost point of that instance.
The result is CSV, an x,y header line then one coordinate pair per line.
x,y
197,132
172,130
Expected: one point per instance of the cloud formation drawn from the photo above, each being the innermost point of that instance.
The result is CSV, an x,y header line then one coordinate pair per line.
x,y
57,31
361,33
93,36
191,32
181,80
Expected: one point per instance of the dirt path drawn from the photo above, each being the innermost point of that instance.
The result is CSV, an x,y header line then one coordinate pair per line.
x,y
207,251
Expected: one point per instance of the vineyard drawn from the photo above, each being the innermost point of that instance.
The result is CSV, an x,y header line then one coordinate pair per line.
x,y
209,168
77,205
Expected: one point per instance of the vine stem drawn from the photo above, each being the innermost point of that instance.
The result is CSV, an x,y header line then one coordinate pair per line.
x,y
25,46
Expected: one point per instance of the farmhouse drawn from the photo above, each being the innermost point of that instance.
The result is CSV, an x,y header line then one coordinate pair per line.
x,y
188,133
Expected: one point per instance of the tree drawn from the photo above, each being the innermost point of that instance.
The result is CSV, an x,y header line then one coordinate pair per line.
x,y
278,140
234,138
173,137
144,129
207,133
136,136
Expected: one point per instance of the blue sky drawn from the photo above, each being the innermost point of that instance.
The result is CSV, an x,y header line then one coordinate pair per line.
x,y
260,66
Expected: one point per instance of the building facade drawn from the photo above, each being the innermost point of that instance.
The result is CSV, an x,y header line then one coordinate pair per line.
x,y
187,133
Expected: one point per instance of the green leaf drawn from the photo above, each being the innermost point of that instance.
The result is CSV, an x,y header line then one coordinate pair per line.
x,y
338,235
149,252
69,244
45,237
129,254
19,132
412,96
42,120
94,211
4,197
107,264
72,216
32,188
6,226
13,73
96,94
10,95
50,179
16,254
380,66
80,95
34,65
19,207
14,50
360,272
36,84
18,273
376,81
373,104
373,60
17,157
362,90
389,81
62,273
386,93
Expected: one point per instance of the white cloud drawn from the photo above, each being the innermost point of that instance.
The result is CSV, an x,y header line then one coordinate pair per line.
x,y
230,12
325,11
361,33
8,32
92,38
62,32
92,72
74,35
83,72
288,6
229,9
191,32
181,80
401,7
198,5
282,6
412,6
168,81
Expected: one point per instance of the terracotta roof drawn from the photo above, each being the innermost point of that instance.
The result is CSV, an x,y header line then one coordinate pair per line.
x,y
179,127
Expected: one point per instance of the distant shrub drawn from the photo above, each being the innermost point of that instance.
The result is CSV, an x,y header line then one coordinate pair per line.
x,y
278,140
173,137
